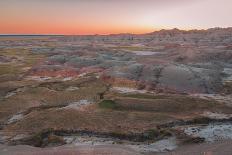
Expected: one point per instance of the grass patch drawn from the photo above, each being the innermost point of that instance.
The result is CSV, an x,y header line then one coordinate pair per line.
x,y
8,69
108,104
145,96
227,89
133,48
166,104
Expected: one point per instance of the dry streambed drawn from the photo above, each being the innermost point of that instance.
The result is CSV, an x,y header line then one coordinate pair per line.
x,y
165,138
210,132
211,127
149,141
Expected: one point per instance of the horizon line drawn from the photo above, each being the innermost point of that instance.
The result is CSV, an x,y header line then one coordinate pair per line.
x,y
196,29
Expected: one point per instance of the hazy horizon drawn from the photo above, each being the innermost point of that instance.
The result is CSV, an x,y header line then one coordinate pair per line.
x,y
76,17
110,33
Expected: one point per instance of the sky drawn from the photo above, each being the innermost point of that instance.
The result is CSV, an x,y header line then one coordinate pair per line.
x,y
111,16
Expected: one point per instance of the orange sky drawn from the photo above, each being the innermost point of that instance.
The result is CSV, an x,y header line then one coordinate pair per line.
x,y
110,16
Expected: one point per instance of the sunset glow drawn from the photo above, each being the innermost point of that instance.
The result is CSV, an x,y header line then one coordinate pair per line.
x,y
109,16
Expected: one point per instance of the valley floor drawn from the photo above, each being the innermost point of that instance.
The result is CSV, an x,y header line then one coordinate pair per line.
x,y
168,92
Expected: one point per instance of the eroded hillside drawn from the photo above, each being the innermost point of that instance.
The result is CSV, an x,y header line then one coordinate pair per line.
x,y
150,93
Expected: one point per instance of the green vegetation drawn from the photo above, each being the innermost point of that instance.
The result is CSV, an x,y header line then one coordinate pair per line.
x,y
168,104
227,89
43,139
108,104
133,48
145,96
153,134
8,69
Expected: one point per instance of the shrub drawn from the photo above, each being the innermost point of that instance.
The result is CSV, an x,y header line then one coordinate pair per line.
x,y
108,104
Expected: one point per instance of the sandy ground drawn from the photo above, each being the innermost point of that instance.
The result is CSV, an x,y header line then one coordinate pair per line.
x,y
217,148
78,150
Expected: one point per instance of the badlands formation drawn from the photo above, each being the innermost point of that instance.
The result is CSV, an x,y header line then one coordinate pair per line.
x,y
120,94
